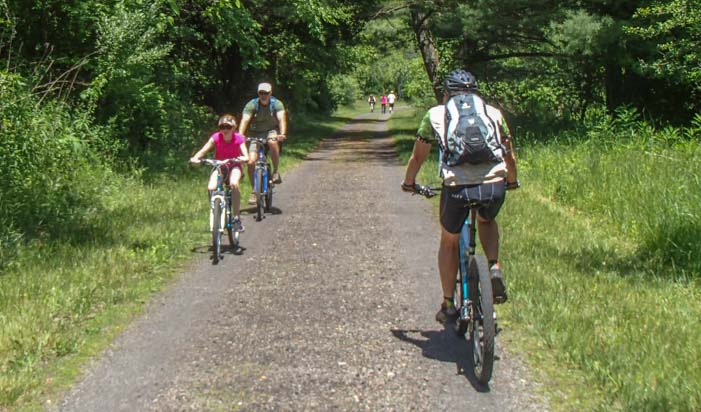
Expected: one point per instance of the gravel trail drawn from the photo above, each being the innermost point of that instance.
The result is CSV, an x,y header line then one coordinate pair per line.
x,y
330,307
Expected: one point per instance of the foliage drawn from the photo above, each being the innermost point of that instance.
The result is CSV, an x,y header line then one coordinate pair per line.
x,y
594,52
344,89
51,170
674,29
391,62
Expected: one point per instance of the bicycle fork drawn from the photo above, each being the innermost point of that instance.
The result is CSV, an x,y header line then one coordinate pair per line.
x,y
224,216
467,249
465,305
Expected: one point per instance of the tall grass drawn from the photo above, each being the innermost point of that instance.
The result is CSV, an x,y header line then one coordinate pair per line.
x,y
643,182
600,255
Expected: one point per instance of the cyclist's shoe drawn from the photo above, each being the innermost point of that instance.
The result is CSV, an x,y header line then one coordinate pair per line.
x,y
276,178
252,199
446,313
237,225
498,286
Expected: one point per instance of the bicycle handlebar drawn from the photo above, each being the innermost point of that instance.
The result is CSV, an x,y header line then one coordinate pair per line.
x,y
417,189
262,139
429,192
215,163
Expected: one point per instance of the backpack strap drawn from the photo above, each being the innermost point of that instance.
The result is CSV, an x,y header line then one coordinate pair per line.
x,y
273,109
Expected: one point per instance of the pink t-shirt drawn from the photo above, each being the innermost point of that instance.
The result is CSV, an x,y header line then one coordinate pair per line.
x,y
383,100
226,150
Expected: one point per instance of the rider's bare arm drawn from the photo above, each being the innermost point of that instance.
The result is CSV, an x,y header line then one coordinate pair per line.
x,y
421,151
282,121
245,122
203,151
244,153
510,159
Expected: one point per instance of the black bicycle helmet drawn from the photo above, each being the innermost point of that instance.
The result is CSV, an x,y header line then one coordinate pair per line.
x,y
460,81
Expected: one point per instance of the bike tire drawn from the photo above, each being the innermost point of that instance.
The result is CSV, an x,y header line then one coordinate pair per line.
x,y
482,323
232,234
216,232
269,195
259,194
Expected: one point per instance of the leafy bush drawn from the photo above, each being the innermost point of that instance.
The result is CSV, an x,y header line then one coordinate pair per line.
x,y
135,90
344,90
51,172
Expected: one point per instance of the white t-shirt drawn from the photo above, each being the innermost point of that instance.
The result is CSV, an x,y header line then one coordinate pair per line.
x,y
391,98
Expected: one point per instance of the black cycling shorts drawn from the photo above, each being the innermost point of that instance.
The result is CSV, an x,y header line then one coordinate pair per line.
x,y
455,201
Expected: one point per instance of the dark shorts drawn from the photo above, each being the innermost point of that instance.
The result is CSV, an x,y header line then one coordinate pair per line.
x,y
455,202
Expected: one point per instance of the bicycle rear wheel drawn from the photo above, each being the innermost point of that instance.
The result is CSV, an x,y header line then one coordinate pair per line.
x,y
482,324
216,231
259,193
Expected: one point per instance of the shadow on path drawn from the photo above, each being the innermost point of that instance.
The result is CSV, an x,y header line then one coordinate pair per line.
x,y
445,346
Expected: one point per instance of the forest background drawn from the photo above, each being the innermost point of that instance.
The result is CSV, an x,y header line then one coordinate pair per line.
x,y
99,98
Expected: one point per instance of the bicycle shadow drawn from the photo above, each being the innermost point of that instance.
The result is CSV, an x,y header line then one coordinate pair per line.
x,y
251,210
226,249
445,346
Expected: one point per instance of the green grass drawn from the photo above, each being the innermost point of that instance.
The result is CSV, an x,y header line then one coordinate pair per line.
x,y
63,300
605,320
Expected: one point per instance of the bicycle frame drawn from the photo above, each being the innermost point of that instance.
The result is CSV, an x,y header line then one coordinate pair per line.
x,y
223,193
467,243
261,163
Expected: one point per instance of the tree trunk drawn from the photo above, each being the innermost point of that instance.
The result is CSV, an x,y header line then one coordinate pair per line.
x,y
419,22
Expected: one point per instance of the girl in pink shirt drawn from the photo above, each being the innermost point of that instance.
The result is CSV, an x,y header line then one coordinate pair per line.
x,y
227,144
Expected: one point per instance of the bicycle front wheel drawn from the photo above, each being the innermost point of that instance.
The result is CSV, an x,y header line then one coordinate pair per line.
x,y
216,231
259,193
231,233
482,322
269,195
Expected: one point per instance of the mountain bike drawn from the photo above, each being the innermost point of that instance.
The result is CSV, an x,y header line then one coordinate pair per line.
x,y
262,178
220,217
473,296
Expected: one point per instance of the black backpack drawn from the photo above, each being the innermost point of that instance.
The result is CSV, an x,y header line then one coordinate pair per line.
x,y
470,135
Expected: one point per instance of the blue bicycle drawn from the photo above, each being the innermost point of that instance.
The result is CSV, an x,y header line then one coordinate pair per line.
x,y
473,297
262,178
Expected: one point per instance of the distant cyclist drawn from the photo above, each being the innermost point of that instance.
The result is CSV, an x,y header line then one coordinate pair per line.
x,y
227,144
371,102
463,183
391,98
264,117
